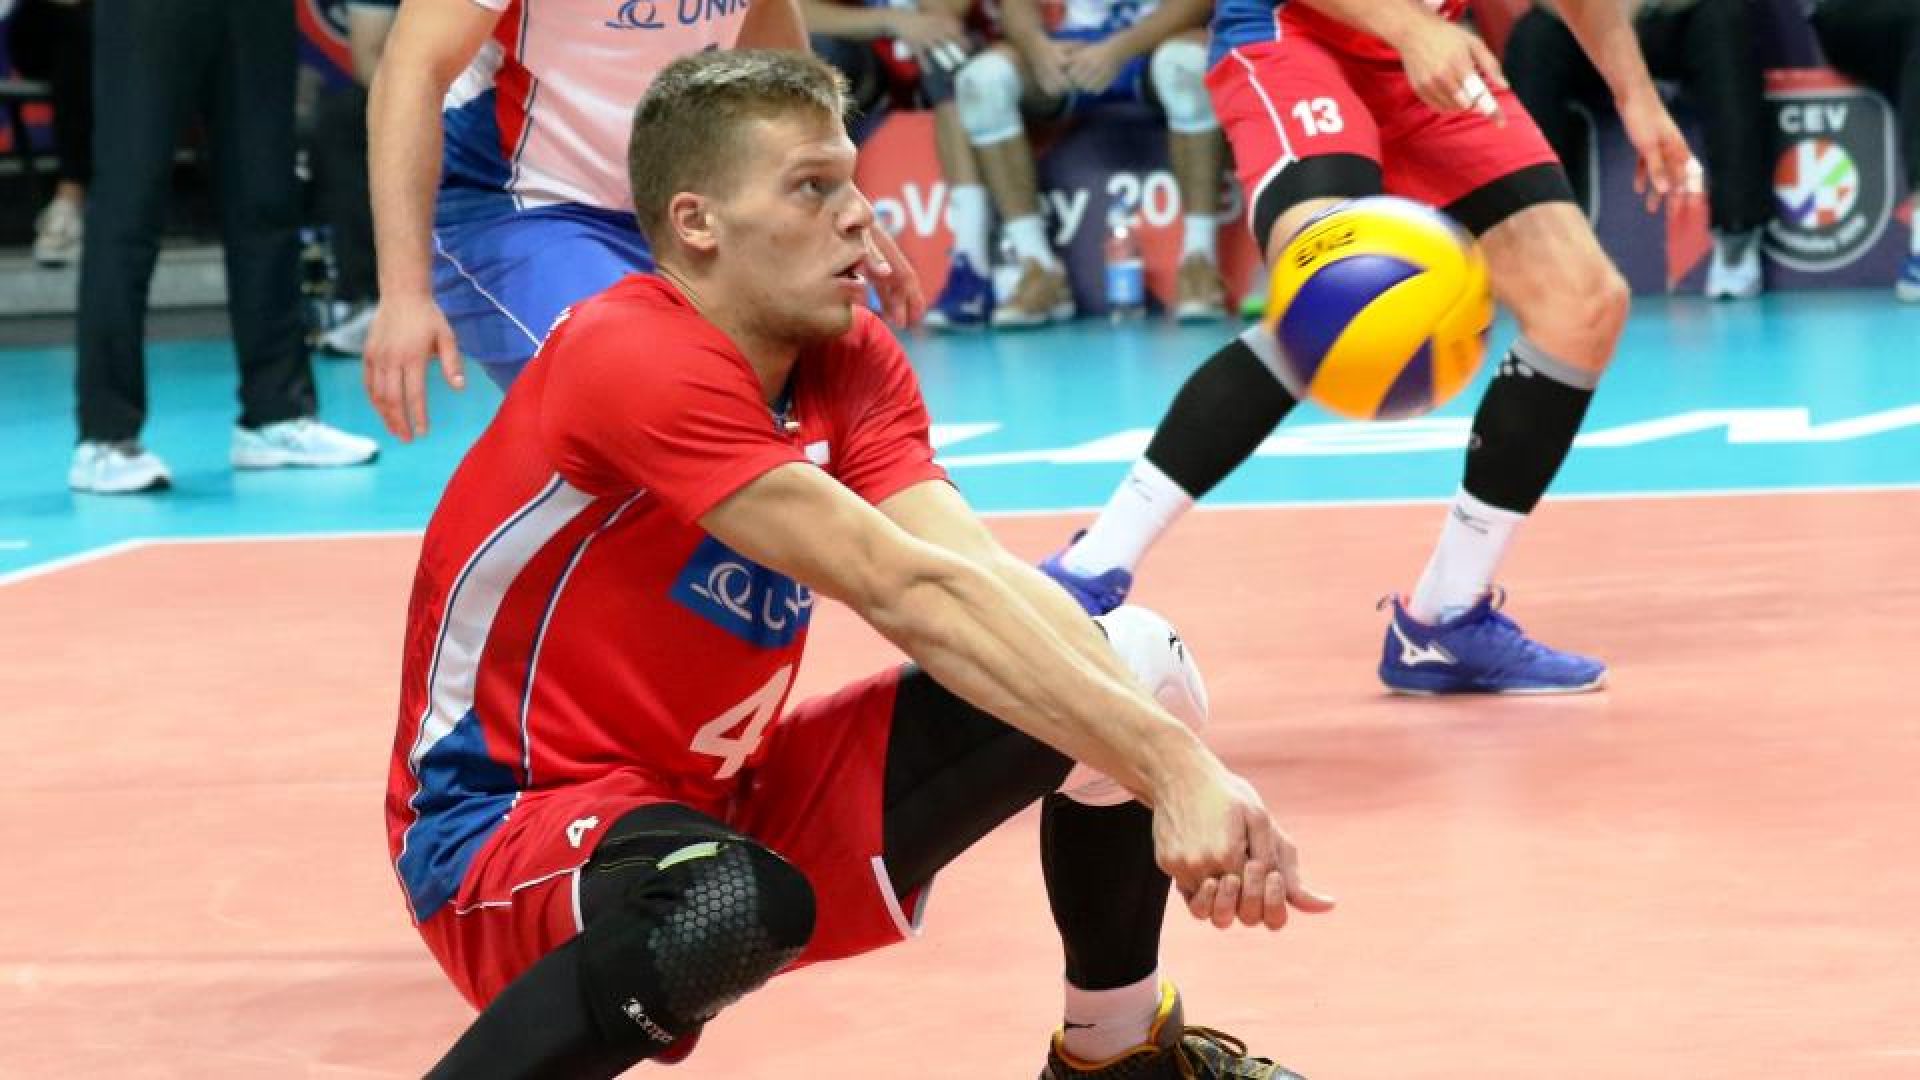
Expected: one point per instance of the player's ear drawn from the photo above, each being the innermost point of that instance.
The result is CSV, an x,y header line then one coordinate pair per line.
x,y
690,216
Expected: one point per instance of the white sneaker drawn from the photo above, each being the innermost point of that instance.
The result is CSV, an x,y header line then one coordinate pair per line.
x,y
349,336
1734,273
300,442
116,468
57,234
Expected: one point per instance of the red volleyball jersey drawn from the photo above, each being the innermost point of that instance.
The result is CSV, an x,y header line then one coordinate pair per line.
x,y
570,619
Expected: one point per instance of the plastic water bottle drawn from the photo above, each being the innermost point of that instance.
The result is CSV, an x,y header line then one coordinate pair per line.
x,y
1126,271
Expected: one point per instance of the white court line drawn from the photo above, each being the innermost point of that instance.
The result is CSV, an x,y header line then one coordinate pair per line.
x,y
123,546
15,545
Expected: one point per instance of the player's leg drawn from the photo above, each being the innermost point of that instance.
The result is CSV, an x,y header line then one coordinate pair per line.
x,y
1710,47
1878,43
990,91
1546,265
1302,141
1178,71
876,788
680,917
502,280
966,301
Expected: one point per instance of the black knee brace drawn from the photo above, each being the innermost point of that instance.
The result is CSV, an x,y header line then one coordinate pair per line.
x,y
686,932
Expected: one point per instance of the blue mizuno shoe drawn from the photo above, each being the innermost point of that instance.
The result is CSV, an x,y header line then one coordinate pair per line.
x,y
1479,652
1908,287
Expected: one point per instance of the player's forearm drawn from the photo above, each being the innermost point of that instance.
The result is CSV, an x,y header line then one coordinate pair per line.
x,y
404,136
773,24
1388,20
1021,21
846,21
979,638
1604,29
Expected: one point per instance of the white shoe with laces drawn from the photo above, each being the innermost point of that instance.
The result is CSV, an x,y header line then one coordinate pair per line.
x,y
58,233
116,468
302,442
1734,273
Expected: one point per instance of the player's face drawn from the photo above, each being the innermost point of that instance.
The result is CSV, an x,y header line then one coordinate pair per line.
x,y
795,228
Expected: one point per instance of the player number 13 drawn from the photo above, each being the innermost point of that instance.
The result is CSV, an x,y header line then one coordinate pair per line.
x,y
1318,116
719,738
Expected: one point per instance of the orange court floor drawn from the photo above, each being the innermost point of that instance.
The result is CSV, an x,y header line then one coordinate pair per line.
x,y
1707,870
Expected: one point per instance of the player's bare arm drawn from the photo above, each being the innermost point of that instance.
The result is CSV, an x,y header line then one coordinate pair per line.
x,y
431,43
773,24
934,511
1667,168
980,640
1026,31
1447,64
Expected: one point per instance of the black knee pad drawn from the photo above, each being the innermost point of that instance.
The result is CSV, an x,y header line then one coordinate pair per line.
x,y
690,932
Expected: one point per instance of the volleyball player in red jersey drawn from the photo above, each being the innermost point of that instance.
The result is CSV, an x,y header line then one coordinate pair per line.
x,y
607,824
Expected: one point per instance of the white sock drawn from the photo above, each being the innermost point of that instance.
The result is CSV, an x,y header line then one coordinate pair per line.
x,y
1145,505
1472,543
1103,1024
968,217
1198,237
1028,235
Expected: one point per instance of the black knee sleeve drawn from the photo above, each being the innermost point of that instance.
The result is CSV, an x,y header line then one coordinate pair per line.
x,y
688,932
1524,428
1226,408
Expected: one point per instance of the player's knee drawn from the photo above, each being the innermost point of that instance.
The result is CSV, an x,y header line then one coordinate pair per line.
x,y
1179,73
1161,662
1577,311
987,93
689,935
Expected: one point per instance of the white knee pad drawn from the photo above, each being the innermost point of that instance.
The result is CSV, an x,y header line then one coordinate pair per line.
x,y
1153,651
987,95
1179,73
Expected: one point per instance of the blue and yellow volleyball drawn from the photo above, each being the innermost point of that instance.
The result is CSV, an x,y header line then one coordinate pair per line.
x,y
1380,307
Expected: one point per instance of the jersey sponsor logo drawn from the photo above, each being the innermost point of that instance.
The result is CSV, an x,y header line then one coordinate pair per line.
x,y
759,606
659,14
1831,179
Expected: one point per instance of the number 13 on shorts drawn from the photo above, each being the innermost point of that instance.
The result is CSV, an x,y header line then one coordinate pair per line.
x,y
1318,116
734,735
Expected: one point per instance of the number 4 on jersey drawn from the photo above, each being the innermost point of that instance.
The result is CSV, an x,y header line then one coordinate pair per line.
x,y
716,737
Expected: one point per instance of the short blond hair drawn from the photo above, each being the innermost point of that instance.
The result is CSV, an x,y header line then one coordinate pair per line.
x,y
686,130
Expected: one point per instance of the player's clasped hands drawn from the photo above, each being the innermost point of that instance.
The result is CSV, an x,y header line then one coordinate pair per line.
x,y
1093,66
1229,860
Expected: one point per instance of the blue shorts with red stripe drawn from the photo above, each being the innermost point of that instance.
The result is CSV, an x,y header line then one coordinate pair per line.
x,y
502,279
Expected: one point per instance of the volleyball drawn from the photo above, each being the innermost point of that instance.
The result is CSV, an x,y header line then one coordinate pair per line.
x,y
1380,307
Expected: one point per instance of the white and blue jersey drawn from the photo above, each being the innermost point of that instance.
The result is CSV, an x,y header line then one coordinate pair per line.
x,y
535,210
541,115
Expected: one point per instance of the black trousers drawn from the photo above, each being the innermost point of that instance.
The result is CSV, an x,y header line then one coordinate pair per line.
x,y
339,159
1709,49
1878,43
54,43
157,63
